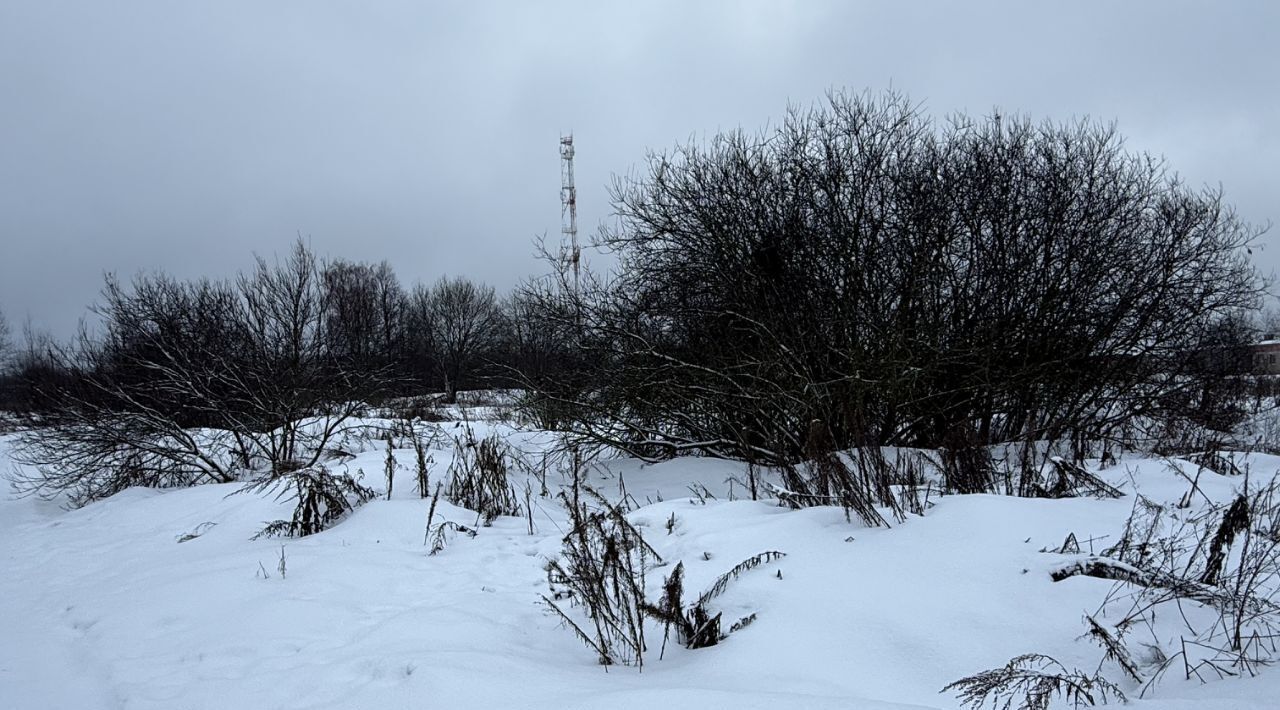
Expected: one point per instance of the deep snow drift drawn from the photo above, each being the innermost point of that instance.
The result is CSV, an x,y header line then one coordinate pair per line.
x,y
110,607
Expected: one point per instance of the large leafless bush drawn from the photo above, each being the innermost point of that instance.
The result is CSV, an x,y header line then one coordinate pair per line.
x,y
898,279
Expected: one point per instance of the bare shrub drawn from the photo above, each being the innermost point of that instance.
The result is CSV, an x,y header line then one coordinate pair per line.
x,y
421,408
861,481
478,479
854,264
966,464
440,533
322,498
695,627
1213,574
1070,480
92,453
601,569
182,372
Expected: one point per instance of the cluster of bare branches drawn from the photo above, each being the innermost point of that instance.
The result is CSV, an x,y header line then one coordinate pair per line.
x,y
1030,469
862,481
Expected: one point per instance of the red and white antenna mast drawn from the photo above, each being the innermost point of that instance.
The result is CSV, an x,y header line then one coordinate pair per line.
x,y
569,205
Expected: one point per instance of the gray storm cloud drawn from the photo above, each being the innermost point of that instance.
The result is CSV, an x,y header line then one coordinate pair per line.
x,y
187,136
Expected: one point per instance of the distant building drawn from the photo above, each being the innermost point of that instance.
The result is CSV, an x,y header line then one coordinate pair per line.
x,y
1266,356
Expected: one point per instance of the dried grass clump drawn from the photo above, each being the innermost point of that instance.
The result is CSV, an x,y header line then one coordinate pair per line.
x,y
478,479
1031,682
322,498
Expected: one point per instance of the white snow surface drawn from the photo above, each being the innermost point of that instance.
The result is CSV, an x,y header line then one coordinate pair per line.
x,y
102,607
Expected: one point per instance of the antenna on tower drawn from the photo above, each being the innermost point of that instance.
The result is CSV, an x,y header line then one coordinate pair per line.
x,y
569,205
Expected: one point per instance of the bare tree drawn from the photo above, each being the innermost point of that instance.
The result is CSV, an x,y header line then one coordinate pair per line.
x,y
8,381
420,350
465,320
33,371
285,307
538,350
365,314
301,395
4,341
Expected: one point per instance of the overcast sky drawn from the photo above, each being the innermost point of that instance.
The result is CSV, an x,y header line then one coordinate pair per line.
x,y
186,136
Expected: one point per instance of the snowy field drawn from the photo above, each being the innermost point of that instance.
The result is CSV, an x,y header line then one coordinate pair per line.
x,y
160,600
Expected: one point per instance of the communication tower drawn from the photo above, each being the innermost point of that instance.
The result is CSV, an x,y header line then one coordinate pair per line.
x,y
569,205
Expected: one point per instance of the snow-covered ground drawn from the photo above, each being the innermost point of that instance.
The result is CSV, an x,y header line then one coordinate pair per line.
x,y
104,607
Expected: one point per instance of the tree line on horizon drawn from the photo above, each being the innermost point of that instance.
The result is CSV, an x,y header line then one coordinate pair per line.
x,y
295,314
